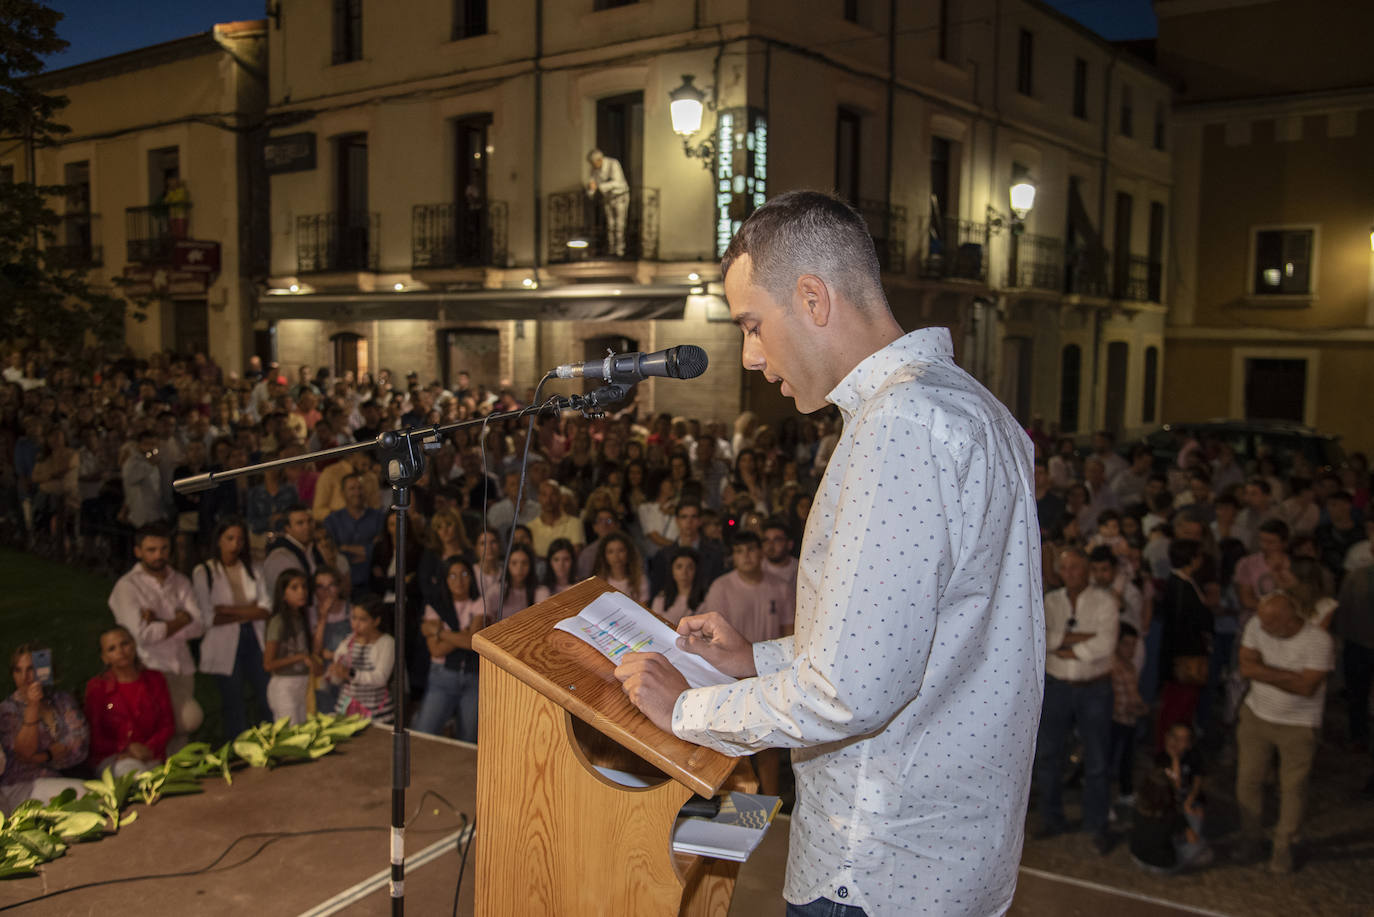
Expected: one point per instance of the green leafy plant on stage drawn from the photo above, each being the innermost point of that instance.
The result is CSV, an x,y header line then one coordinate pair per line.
x,y
35,833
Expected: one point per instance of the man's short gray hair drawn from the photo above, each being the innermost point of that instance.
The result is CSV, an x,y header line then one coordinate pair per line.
x,y
594,155
808,232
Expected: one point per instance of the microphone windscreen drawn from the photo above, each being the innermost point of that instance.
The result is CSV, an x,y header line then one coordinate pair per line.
x,y
689,361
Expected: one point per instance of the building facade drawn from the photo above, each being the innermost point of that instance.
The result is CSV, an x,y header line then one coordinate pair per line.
x,y
159,199
1273,294
430,208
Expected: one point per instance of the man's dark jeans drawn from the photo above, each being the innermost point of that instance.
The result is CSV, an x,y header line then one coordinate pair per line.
x,y
1087,706
823,907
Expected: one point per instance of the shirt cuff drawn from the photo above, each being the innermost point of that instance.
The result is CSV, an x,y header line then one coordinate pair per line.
x,y
692,720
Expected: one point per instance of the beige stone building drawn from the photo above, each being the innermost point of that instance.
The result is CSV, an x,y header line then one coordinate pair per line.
x,y
429,208
142,123
1273,294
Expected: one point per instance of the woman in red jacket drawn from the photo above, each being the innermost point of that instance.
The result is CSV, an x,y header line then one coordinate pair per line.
x,y
128,709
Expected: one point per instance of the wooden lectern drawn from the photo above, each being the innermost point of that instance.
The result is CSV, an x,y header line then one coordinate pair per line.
x,y
556,837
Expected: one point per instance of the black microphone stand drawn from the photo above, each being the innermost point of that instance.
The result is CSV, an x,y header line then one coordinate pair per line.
x,y
403,459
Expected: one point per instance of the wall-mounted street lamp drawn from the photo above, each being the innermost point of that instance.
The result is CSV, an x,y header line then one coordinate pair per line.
x,y
1021,201
686,104
1371,238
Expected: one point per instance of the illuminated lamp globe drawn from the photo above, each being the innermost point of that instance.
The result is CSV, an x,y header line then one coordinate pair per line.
x,y
1022,198
685,105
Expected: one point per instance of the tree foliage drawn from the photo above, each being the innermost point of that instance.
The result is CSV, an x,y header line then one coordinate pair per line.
x,y
42,299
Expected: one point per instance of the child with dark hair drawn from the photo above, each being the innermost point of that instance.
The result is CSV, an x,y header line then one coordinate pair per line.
x,y
1127,709
1161,841
362,665
287,655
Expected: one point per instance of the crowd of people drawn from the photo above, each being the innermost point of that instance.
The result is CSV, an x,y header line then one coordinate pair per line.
x,y
1196,609
1184,608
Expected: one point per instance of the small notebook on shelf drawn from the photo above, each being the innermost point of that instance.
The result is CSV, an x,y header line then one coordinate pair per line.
x,y
614,624
733,833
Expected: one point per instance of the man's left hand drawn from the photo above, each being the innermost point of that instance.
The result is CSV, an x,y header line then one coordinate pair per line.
x,y
653,685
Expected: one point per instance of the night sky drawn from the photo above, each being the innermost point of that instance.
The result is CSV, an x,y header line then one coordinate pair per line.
x,y
98,28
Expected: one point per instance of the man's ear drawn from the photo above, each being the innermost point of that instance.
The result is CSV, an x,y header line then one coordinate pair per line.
x,y
815,298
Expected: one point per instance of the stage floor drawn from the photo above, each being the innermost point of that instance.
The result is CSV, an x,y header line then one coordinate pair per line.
x,y
328,873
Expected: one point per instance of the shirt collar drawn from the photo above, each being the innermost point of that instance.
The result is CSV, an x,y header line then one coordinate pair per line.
x,y
864,380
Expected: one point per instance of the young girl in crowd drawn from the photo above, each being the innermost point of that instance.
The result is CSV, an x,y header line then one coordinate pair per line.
x,y
287,656
362,666
681,595
234,600
128,709
1161,840
448,626
559,566
522,586
618,563
330,622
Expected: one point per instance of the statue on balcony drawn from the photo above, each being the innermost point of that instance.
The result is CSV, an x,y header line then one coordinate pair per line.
x,y
607,179
177,200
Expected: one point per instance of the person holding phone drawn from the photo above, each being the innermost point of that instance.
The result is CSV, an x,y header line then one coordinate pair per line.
x,y
42,732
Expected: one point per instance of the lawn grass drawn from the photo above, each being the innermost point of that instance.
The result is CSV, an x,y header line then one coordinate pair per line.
x,y
66,609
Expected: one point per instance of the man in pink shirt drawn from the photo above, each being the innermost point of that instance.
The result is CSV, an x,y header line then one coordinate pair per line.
x,y
760,607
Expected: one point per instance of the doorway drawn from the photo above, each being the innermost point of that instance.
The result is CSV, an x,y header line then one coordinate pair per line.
x,y
191,326
352,241
470,230
1118,356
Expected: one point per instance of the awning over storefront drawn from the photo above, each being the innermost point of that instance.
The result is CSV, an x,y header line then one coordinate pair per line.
x,y
628,303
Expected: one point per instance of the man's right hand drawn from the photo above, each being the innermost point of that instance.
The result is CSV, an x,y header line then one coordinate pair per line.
x,y
714,639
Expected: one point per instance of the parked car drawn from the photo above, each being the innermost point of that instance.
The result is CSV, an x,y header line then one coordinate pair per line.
x,y
1250,439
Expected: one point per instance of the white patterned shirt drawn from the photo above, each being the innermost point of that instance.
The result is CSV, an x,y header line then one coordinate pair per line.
x,y
911,690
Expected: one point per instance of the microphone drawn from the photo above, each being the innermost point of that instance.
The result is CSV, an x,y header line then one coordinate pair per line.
x,y
686,361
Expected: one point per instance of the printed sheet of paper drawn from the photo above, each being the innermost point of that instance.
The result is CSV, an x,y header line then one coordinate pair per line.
x,y
615,624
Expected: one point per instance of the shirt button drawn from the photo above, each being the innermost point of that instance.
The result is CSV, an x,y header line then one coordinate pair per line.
x,y
842,891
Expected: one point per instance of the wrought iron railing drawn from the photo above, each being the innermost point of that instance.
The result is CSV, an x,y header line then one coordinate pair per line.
x,y
1039,262
74,242
457,235
1143,282
337,242
1087,272
622,227
955,249
887,226
152,232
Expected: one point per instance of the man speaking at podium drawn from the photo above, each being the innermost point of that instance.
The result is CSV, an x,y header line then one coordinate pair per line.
x,y
911,690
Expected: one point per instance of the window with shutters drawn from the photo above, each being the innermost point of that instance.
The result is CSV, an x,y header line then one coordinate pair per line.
x,y
1283,261
348,31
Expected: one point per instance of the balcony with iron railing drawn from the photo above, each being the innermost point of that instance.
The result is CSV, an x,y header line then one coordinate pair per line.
x,y
1037,262
887,226
955,249
1087,272
337,242
601,227
458,235
75,244
152,232
1143,281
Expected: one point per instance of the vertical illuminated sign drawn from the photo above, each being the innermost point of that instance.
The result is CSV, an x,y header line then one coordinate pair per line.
x,y
741,179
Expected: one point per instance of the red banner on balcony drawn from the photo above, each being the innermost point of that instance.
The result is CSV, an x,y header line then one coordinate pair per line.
x,y
196,257
141,281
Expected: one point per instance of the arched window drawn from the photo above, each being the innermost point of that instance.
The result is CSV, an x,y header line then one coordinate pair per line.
x,y
1148,406
1070,376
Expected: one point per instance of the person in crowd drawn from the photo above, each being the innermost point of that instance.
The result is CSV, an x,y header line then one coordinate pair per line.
x,y
329,618
445,537
331,495
1338,533
521,585
234,600
1161,840
128,709
657,518
1182,761
1186,640
618,563
448,625
711,552
1260,507
778,559
1127,709
1129,484
295,548
142,480
552,522
558,567
605,522
355,529
361,664
268,502
682,595
385,561
760,607
158,606
1257,574
42,733
287,655
1353,623
1081,623
1287,660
